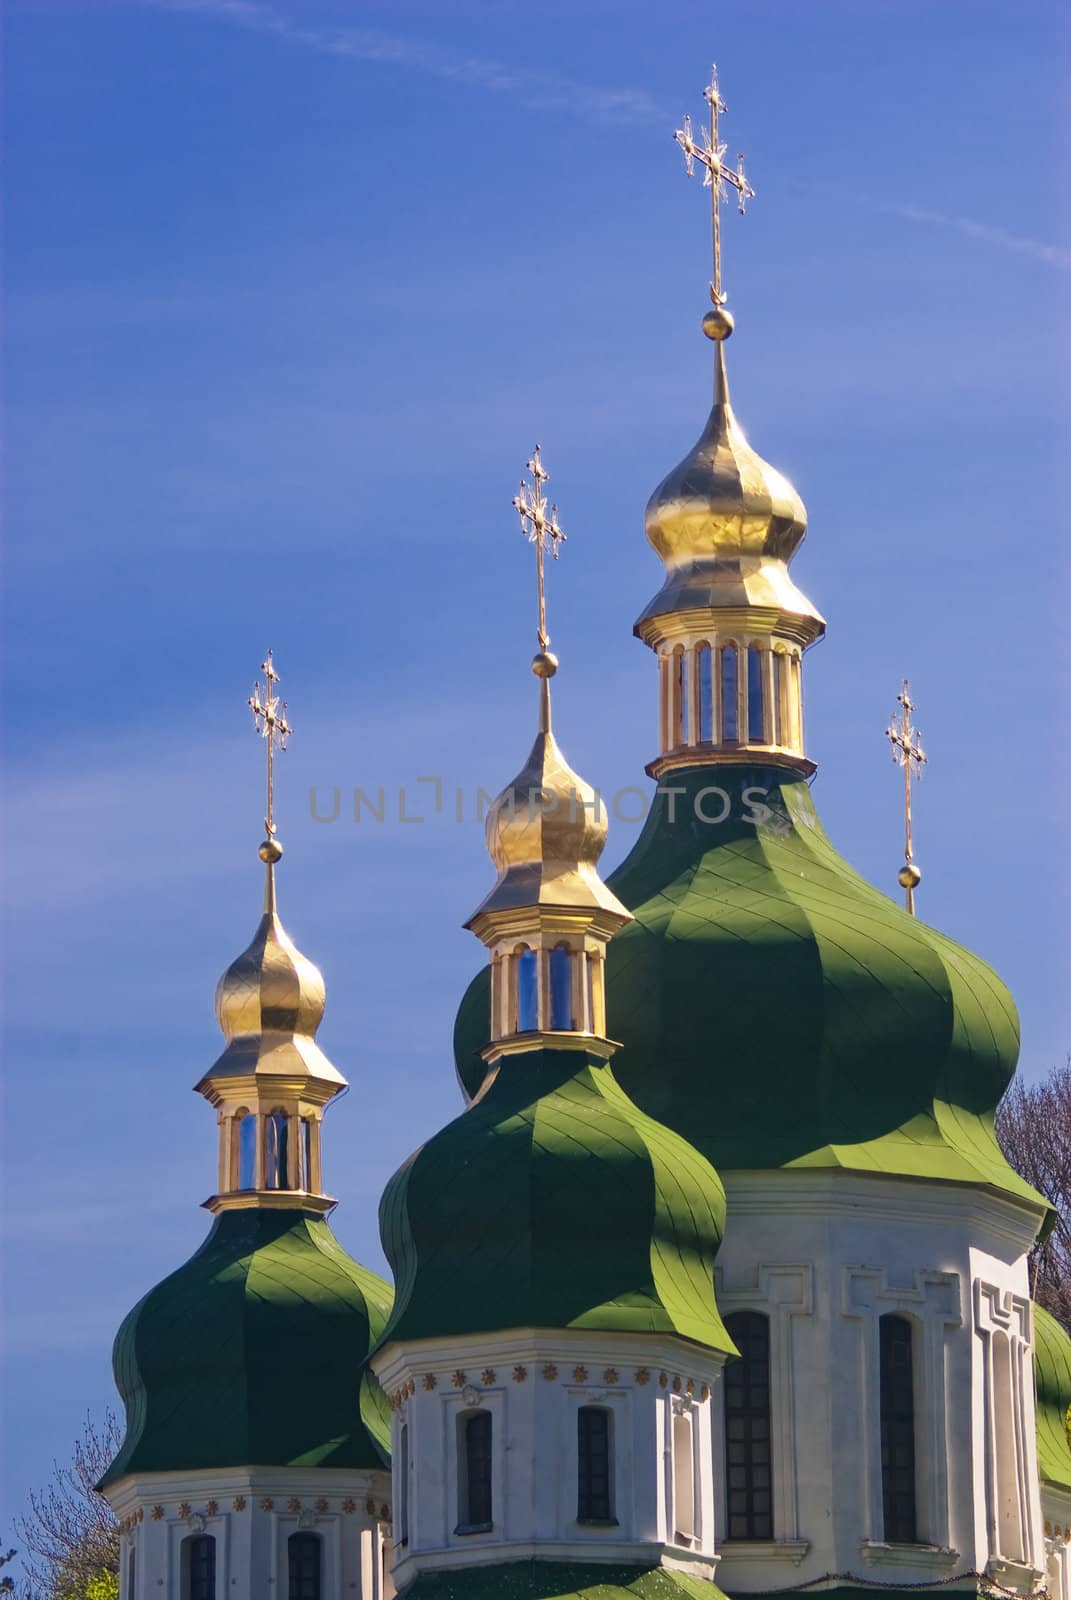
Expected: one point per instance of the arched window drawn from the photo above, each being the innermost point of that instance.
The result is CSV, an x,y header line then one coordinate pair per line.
x,y
561,989
306,1154
402,1518
247,1150
474,1472
594,1487
683,1478
199,1568
276,1150
524,962
680,698
897,1431
781,734
303,1553
729,721
706,695
749,1504
756,721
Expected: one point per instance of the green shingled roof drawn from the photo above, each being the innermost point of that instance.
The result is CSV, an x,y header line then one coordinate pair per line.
x,y
553,1580
252,1354
552,1202
777,1010
1052,1378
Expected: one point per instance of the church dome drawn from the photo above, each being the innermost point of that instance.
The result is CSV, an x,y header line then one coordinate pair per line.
x,y
1052,1376
206,1362
726,524
547,829
269,1004
777,1010
553,1203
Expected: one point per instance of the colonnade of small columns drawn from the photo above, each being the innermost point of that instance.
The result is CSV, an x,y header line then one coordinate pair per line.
x,y
735,692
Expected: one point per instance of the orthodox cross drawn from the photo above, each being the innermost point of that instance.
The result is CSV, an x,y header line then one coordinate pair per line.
x,y
539,524
269,719
709,154
907,751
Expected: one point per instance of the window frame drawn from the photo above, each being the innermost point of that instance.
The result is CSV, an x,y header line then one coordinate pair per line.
x,y
896,1413
586,1514
467,1523
751,1421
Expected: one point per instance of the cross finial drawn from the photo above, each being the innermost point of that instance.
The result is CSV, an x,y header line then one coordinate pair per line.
x,y
709,152
269,719
539,524
908,753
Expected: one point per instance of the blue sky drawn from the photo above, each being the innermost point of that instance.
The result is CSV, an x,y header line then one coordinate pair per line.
x,y
291,291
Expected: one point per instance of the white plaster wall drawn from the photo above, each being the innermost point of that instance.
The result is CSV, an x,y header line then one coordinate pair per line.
x,y
825,1254
251,1514
533,1383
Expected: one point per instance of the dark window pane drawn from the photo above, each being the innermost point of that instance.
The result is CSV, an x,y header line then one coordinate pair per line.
x,y
303,1550
593,1465
478,1470
201,1569
897,1431
747,1427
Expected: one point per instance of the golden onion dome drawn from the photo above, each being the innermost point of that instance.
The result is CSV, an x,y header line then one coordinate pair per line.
x,y
547,829
270,1002
725,522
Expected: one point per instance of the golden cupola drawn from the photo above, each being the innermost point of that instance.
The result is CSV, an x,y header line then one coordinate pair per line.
x,y
728,625
549,916
272,1081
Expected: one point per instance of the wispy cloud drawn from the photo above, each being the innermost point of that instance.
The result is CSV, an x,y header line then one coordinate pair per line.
x,y
1052,255
537,91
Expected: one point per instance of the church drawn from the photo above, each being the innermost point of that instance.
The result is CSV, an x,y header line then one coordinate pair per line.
x,y
718,1284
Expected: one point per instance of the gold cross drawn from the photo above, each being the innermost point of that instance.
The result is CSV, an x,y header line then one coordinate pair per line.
x,y
710,155
269,719
539,524
908,753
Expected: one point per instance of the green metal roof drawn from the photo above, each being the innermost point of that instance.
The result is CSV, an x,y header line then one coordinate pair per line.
x,y
554,1580
252,1354
1052,1379
777,1010
552,1202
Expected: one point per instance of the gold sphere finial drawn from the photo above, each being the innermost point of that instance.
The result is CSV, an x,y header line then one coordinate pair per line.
x,y
909,876
270,852
718,323
545,664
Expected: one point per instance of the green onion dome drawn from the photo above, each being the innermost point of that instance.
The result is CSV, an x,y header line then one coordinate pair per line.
x,y
208,1363
552,1202
558,1580
777,1010
1052,1378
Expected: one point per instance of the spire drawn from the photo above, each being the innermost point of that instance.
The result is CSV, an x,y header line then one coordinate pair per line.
x,y
272,1081
549,916
728,624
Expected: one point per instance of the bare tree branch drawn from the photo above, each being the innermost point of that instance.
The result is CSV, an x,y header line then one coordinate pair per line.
x,y
1034,1129
70,1534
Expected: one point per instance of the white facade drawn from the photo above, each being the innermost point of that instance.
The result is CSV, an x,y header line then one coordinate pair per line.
x,y
251,1514
825,1254
658,1394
